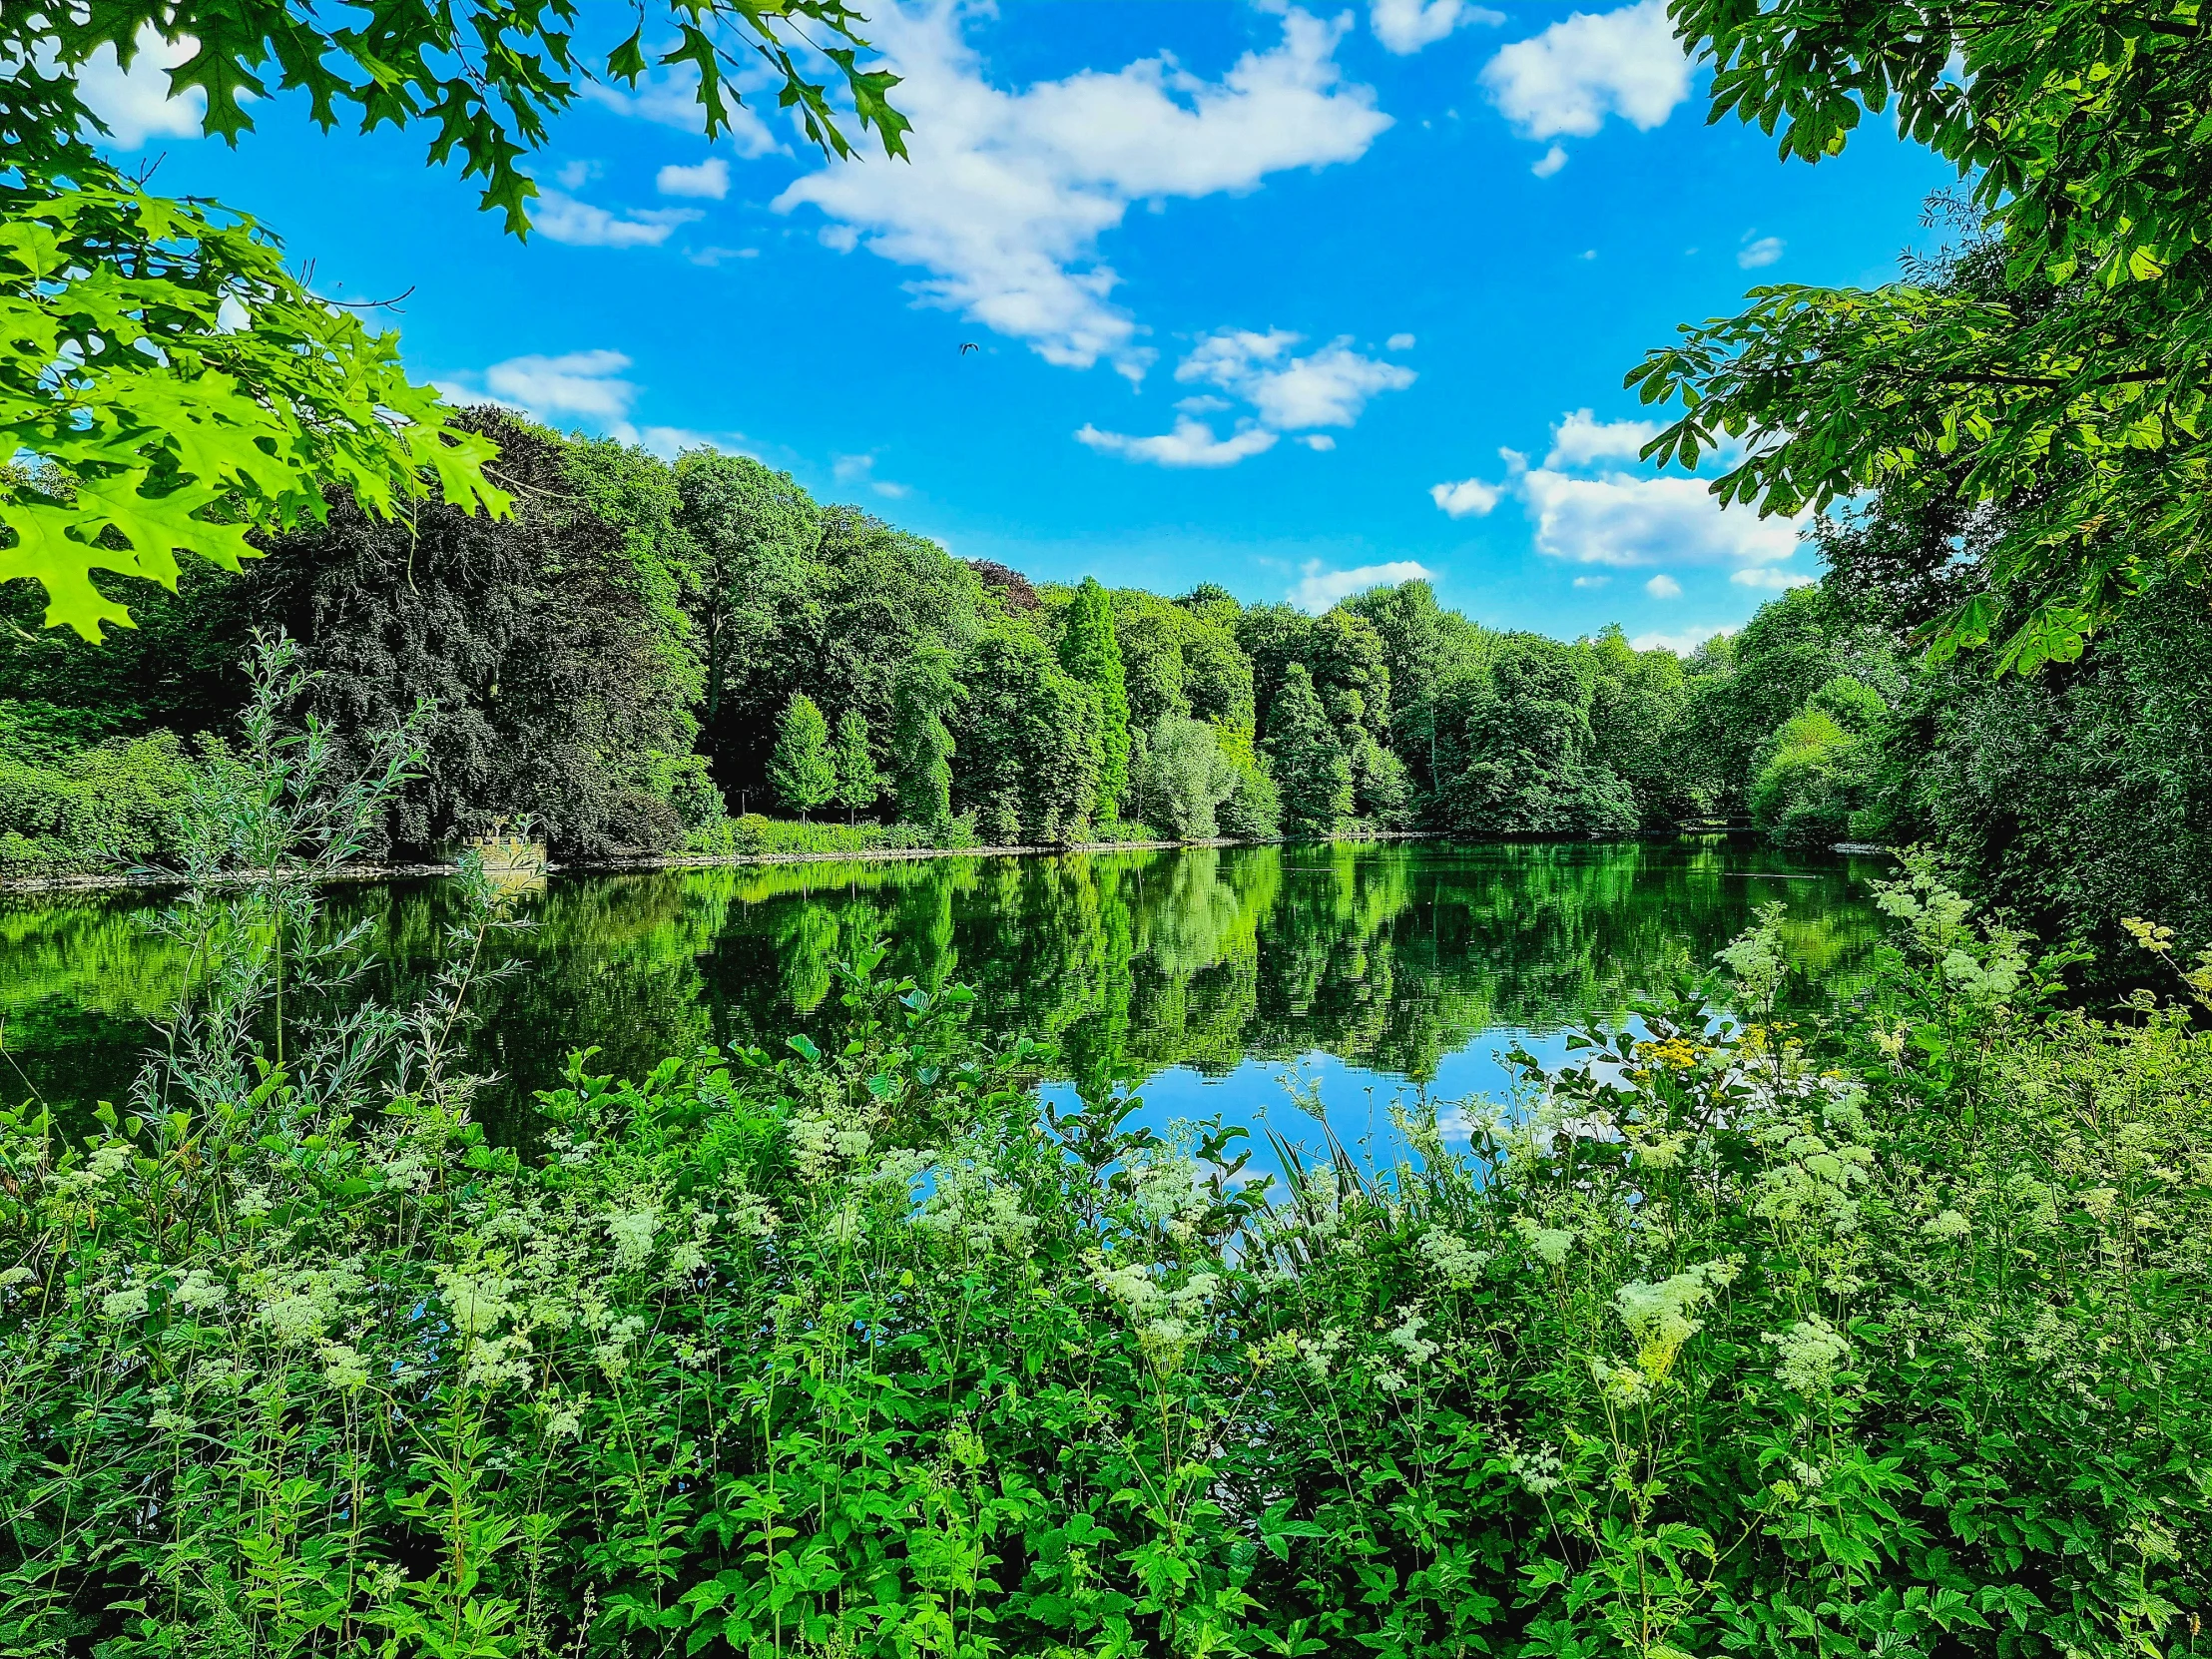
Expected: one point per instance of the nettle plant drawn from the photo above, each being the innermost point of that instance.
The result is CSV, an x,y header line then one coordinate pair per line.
x,y
1883,1333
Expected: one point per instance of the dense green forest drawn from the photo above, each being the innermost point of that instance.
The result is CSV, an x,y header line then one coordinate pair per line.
x,y
652,659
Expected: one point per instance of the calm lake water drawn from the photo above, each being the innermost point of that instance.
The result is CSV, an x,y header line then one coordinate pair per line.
x,y
1200,976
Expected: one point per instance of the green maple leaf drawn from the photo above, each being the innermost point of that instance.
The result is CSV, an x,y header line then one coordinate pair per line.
x,y
46,553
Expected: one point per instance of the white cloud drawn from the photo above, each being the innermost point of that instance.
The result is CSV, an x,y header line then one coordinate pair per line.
x,y
564,219
1329,388
710,180
1663,586
711,256
1192,444
670,98
1405,26
575,383
1588,66
1318,588
1620,518
668,442
1580,439
1398,342
1683,644
1550,162
1765,576
585,385
1204,403
1320,442
134,103
1008,193
576,174
1591,581
1468,498
1763,252
860,469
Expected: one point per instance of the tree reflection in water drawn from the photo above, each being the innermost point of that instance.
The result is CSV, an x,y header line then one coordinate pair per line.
x,y
1389,957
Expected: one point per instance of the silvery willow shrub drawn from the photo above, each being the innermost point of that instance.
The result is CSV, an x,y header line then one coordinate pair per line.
x,y
1883,1333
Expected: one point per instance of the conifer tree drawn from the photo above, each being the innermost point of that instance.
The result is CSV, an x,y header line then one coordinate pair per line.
x,y
1091,654
859,782
800,768
921,744
1311,766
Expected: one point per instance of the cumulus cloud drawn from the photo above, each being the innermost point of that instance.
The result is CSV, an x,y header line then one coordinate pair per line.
x,y
1468,498
1663,586
1550,162
1767,576
578,386
1329,388
670,98
709,180
1405,26
1580,439
1589,512
1621,518
1287,393
586,383
1591,581
1009,193
860,469
1763,252
134,103
1566,81
1319,587
562,217
1683,644
1191,443
1398,342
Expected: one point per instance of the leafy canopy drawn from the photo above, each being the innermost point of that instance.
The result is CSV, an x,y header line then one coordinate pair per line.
x,y
166,384
2074,387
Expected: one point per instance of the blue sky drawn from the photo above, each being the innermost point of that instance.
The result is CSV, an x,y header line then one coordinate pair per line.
x,y
1288,299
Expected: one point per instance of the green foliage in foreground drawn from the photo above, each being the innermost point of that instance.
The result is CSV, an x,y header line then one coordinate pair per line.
x,y
1885,1337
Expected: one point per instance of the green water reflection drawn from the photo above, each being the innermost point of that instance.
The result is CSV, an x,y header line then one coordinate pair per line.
x,y
1392,958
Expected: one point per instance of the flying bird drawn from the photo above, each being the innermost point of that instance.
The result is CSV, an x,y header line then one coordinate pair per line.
x,y
969,346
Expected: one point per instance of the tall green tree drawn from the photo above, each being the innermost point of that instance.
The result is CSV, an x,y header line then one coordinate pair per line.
x,y
1029,741
549,644
1090,653
169,383
2070,388
802,770
924,694
859,782
1518,754
1311,767
748,543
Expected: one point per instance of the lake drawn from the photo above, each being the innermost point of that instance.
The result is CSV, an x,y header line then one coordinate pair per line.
x,y
1201,975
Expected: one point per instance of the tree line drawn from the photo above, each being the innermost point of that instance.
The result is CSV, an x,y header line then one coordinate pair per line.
x,y
647,653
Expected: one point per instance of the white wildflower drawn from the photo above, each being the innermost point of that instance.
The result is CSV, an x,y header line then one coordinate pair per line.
x,y
631,1234
1319,1352
1458,1262
126,1304
1551,1243
1407,1334
1807,1355
201,1292
1947,1224
343,1367
1658,1316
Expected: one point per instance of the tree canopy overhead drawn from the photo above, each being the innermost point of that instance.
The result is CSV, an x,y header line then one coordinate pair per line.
x,y
165,383
2072,386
